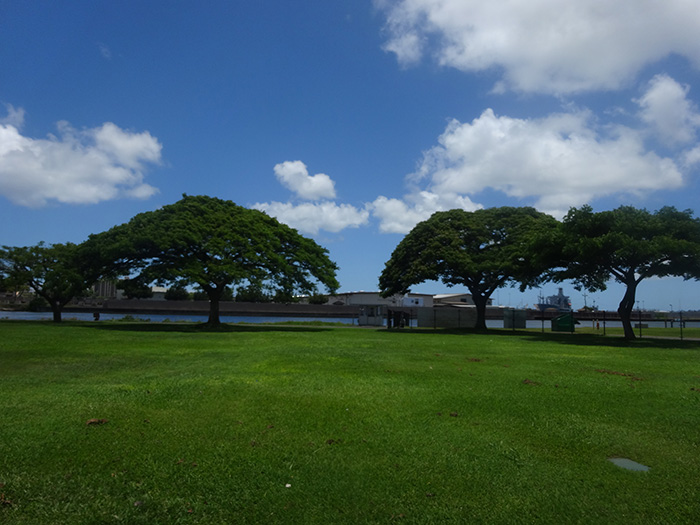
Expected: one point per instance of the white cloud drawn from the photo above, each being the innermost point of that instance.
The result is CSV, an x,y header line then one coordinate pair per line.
x,y
691,157
128,149
76,167
406,46
397,216
665,107
105,51
552,163
15,117
312,217
400,216
295,176
545,46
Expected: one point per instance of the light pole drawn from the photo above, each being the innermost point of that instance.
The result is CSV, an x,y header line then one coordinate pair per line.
x,y
639,314
672,319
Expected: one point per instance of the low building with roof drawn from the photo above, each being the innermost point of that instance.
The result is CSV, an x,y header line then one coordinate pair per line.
x,y
375,309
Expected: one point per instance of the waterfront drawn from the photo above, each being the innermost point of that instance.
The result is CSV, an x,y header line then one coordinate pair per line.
x,y
260,319
175,318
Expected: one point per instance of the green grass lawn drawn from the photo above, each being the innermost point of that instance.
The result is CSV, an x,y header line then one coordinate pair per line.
x,y
266,424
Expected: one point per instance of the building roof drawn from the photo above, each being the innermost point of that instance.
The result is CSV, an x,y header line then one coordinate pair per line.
x,y
449,295
379,293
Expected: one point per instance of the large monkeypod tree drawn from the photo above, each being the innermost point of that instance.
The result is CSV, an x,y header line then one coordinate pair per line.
x,y
628,244
214,244
482,250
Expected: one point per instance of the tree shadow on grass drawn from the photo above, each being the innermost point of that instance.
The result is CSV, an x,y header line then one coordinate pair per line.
x,y
196,328
564,338
612,341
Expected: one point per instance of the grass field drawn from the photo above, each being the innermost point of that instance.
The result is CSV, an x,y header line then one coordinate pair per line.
x,y
311,424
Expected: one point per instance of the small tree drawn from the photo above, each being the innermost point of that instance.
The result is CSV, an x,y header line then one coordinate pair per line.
x,y
253,293
15,292
318,299
628,245
177,293
54,273
482,250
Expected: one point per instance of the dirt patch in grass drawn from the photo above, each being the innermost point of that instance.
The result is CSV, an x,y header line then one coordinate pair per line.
x,y
614,373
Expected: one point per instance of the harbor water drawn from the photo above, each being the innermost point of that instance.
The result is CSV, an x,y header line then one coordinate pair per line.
x,y
175,318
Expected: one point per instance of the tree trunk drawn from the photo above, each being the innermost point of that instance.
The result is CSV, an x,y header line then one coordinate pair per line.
x,y
214,295
480,301
214,312
625,308
56,309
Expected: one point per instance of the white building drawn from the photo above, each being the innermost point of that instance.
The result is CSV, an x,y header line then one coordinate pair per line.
x,y
374,308
375,299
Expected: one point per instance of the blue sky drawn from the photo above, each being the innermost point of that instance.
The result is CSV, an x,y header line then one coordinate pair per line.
x,y
349,120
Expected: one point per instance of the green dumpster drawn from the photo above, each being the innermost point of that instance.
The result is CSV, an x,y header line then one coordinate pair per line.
x,y
564,322
514,318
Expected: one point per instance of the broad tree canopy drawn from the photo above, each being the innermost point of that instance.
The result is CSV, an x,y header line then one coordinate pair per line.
x,y
52,272
482,250
214,244
628,244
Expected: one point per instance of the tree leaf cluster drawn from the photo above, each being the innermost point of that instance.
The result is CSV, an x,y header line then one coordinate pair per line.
x,y
628,245
213,244
487,249
200,241
482,250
